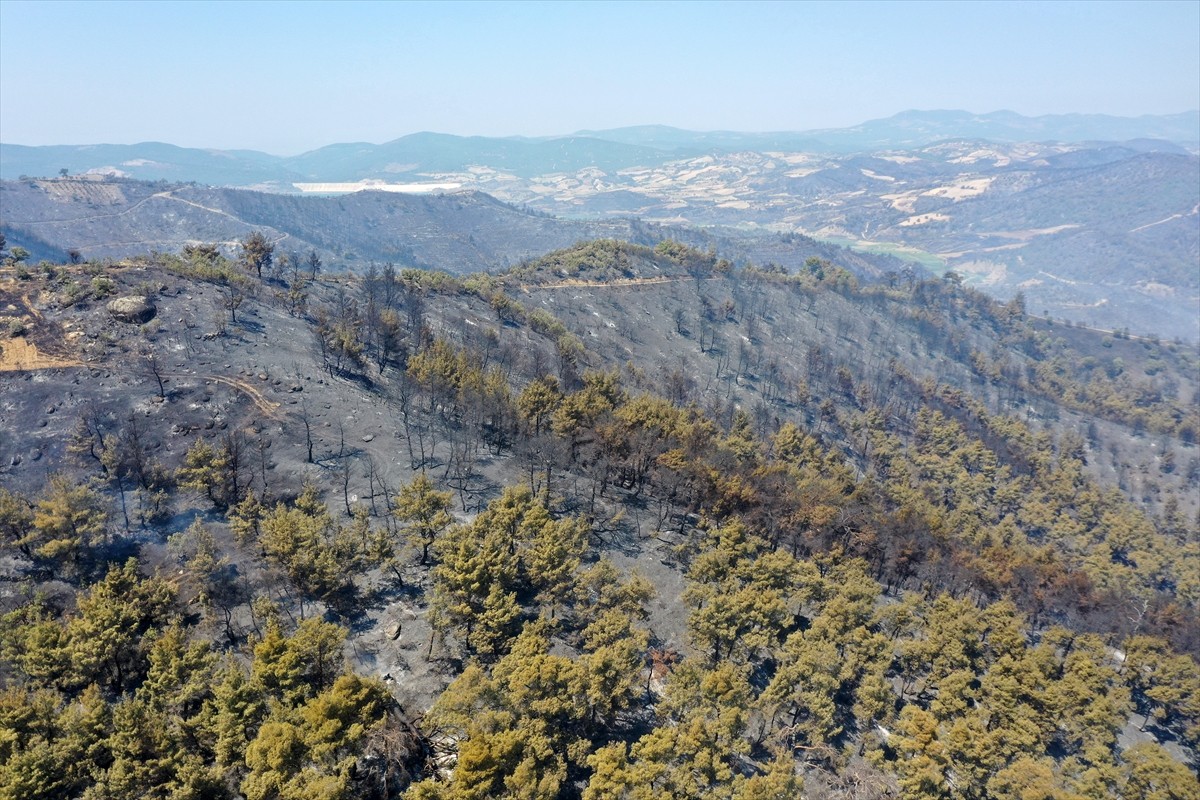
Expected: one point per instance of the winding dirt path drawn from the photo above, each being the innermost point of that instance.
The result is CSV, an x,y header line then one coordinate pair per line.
x,y
1191,213
129,210
167,195
269,408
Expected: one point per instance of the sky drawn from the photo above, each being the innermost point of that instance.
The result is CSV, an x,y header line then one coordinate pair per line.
x,y
285,77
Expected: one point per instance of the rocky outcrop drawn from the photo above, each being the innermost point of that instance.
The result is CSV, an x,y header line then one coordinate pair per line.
x,y
134,308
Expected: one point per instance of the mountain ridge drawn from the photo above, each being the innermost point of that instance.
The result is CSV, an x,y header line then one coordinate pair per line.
x,y
458,232
958,201
906,129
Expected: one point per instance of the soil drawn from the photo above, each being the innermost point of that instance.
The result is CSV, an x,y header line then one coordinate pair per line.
x,y
261,376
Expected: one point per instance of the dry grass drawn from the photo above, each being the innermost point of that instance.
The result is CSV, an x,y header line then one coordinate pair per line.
x,y
23,353
19,355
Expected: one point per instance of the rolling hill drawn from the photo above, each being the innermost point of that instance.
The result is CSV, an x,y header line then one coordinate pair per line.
x,y
458,232
1094,219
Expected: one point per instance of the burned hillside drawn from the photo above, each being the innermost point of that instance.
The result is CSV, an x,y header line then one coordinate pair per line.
x,y
658,521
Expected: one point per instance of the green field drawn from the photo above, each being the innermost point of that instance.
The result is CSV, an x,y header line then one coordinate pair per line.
x,y
928,260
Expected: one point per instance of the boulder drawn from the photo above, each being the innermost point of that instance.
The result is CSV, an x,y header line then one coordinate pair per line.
x,y
134,308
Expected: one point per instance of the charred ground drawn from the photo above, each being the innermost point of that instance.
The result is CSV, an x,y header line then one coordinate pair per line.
x,y
965,460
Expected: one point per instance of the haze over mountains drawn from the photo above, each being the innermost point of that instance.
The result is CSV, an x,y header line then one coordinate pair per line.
x,y
1094,218
604,149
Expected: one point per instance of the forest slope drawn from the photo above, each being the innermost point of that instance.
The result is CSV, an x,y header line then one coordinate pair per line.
x,y
720,531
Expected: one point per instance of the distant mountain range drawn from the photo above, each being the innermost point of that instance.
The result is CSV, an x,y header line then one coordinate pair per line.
x,y
920,128
1095,218
608,150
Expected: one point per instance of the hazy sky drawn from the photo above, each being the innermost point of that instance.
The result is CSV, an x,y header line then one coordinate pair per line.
x,y
288,77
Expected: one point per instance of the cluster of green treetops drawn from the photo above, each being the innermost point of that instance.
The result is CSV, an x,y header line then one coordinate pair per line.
x,y
957,611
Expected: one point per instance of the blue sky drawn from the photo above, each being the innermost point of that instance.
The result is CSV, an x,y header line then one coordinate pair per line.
x,y
289,77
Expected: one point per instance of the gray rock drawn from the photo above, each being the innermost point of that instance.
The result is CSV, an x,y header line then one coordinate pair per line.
x,y
134,309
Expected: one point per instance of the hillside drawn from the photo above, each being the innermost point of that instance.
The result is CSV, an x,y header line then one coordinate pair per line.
x,y
460,232
1108,236
707,530
1094,218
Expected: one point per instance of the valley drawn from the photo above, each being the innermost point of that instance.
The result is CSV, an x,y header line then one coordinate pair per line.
x,y
1099,231
459,232
1002,216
